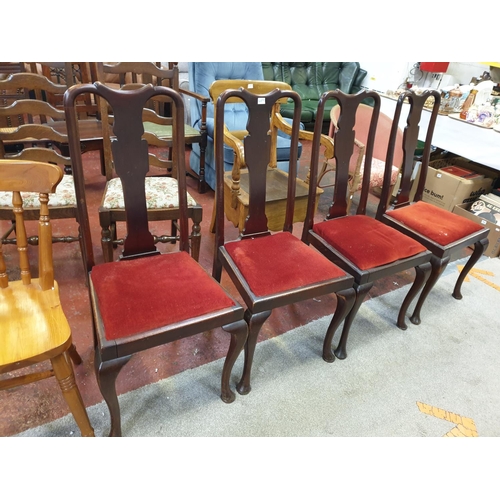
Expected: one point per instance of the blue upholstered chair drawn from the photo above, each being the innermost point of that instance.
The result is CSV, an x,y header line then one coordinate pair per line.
x,y
201,77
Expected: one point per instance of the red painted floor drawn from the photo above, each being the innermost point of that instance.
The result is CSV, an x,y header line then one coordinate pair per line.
x,y
38,403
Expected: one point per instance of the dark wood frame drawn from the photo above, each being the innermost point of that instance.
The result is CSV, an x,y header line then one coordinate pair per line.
x,y
131,149
257,146
343,141
441,254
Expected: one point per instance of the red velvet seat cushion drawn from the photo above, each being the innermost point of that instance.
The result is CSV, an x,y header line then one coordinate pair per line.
x,y
280,262
435,223
138,295
367,242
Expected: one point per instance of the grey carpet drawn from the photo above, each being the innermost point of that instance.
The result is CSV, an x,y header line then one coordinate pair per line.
x,y
449,363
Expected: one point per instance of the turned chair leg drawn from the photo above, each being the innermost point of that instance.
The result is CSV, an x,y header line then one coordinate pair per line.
x,y
173,231
239,335
196,240
73,354
63,371
107,243
255,322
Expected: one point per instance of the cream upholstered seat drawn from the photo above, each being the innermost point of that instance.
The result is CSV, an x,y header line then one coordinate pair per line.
x,y
64,196
161,192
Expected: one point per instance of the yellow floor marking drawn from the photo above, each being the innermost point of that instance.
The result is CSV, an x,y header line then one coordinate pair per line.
x,y
477,274
465,427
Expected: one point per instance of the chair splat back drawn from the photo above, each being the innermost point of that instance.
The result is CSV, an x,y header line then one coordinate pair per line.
x,y
410,138
130,152
344,141
257,147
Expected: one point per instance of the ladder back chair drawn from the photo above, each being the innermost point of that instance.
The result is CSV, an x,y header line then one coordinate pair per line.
x,y
128,74
161,183
270,270
35,134
67,74
147,299
33,326
360,244
442,232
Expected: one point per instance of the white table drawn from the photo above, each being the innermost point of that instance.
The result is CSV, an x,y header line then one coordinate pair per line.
x,y
464,139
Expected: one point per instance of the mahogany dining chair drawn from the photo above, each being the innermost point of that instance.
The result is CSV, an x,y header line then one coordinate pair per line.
x,y
146,298
360,244
270,269
442,232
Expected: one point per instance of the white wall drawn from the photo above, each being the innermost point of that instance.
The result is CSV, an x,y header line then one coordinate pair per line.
x,y
383,76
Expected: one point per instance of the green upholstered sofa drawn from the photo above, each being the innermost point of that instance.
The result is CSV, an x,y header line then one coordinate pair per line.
x,y
310,80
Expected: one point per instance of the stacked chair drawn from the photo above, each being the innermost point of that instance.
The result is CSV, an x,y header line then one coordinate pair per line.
x,y
37,130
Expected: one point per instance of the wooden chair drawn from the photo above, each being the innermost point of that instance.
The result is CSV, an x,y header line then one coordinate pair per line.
x,y
35,135
147,299
442,232
236,181
270,270
122,74
361,245
67,74
33,327
161,183
363,117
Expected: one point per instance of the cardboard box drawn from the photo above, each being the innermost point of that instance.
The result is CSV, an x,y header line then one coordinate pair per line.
x,y
446,190
493,249
415,176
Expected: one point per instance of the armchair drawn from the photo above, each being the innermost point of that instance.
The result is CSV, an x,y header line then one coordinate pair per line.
x,y
310,80
201,77
237,182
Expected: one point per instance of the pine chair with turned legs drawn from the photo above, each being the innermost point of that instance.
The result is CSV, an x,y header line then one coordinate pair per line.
x,y
442,232
33,326
270,270
146,298
360,244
